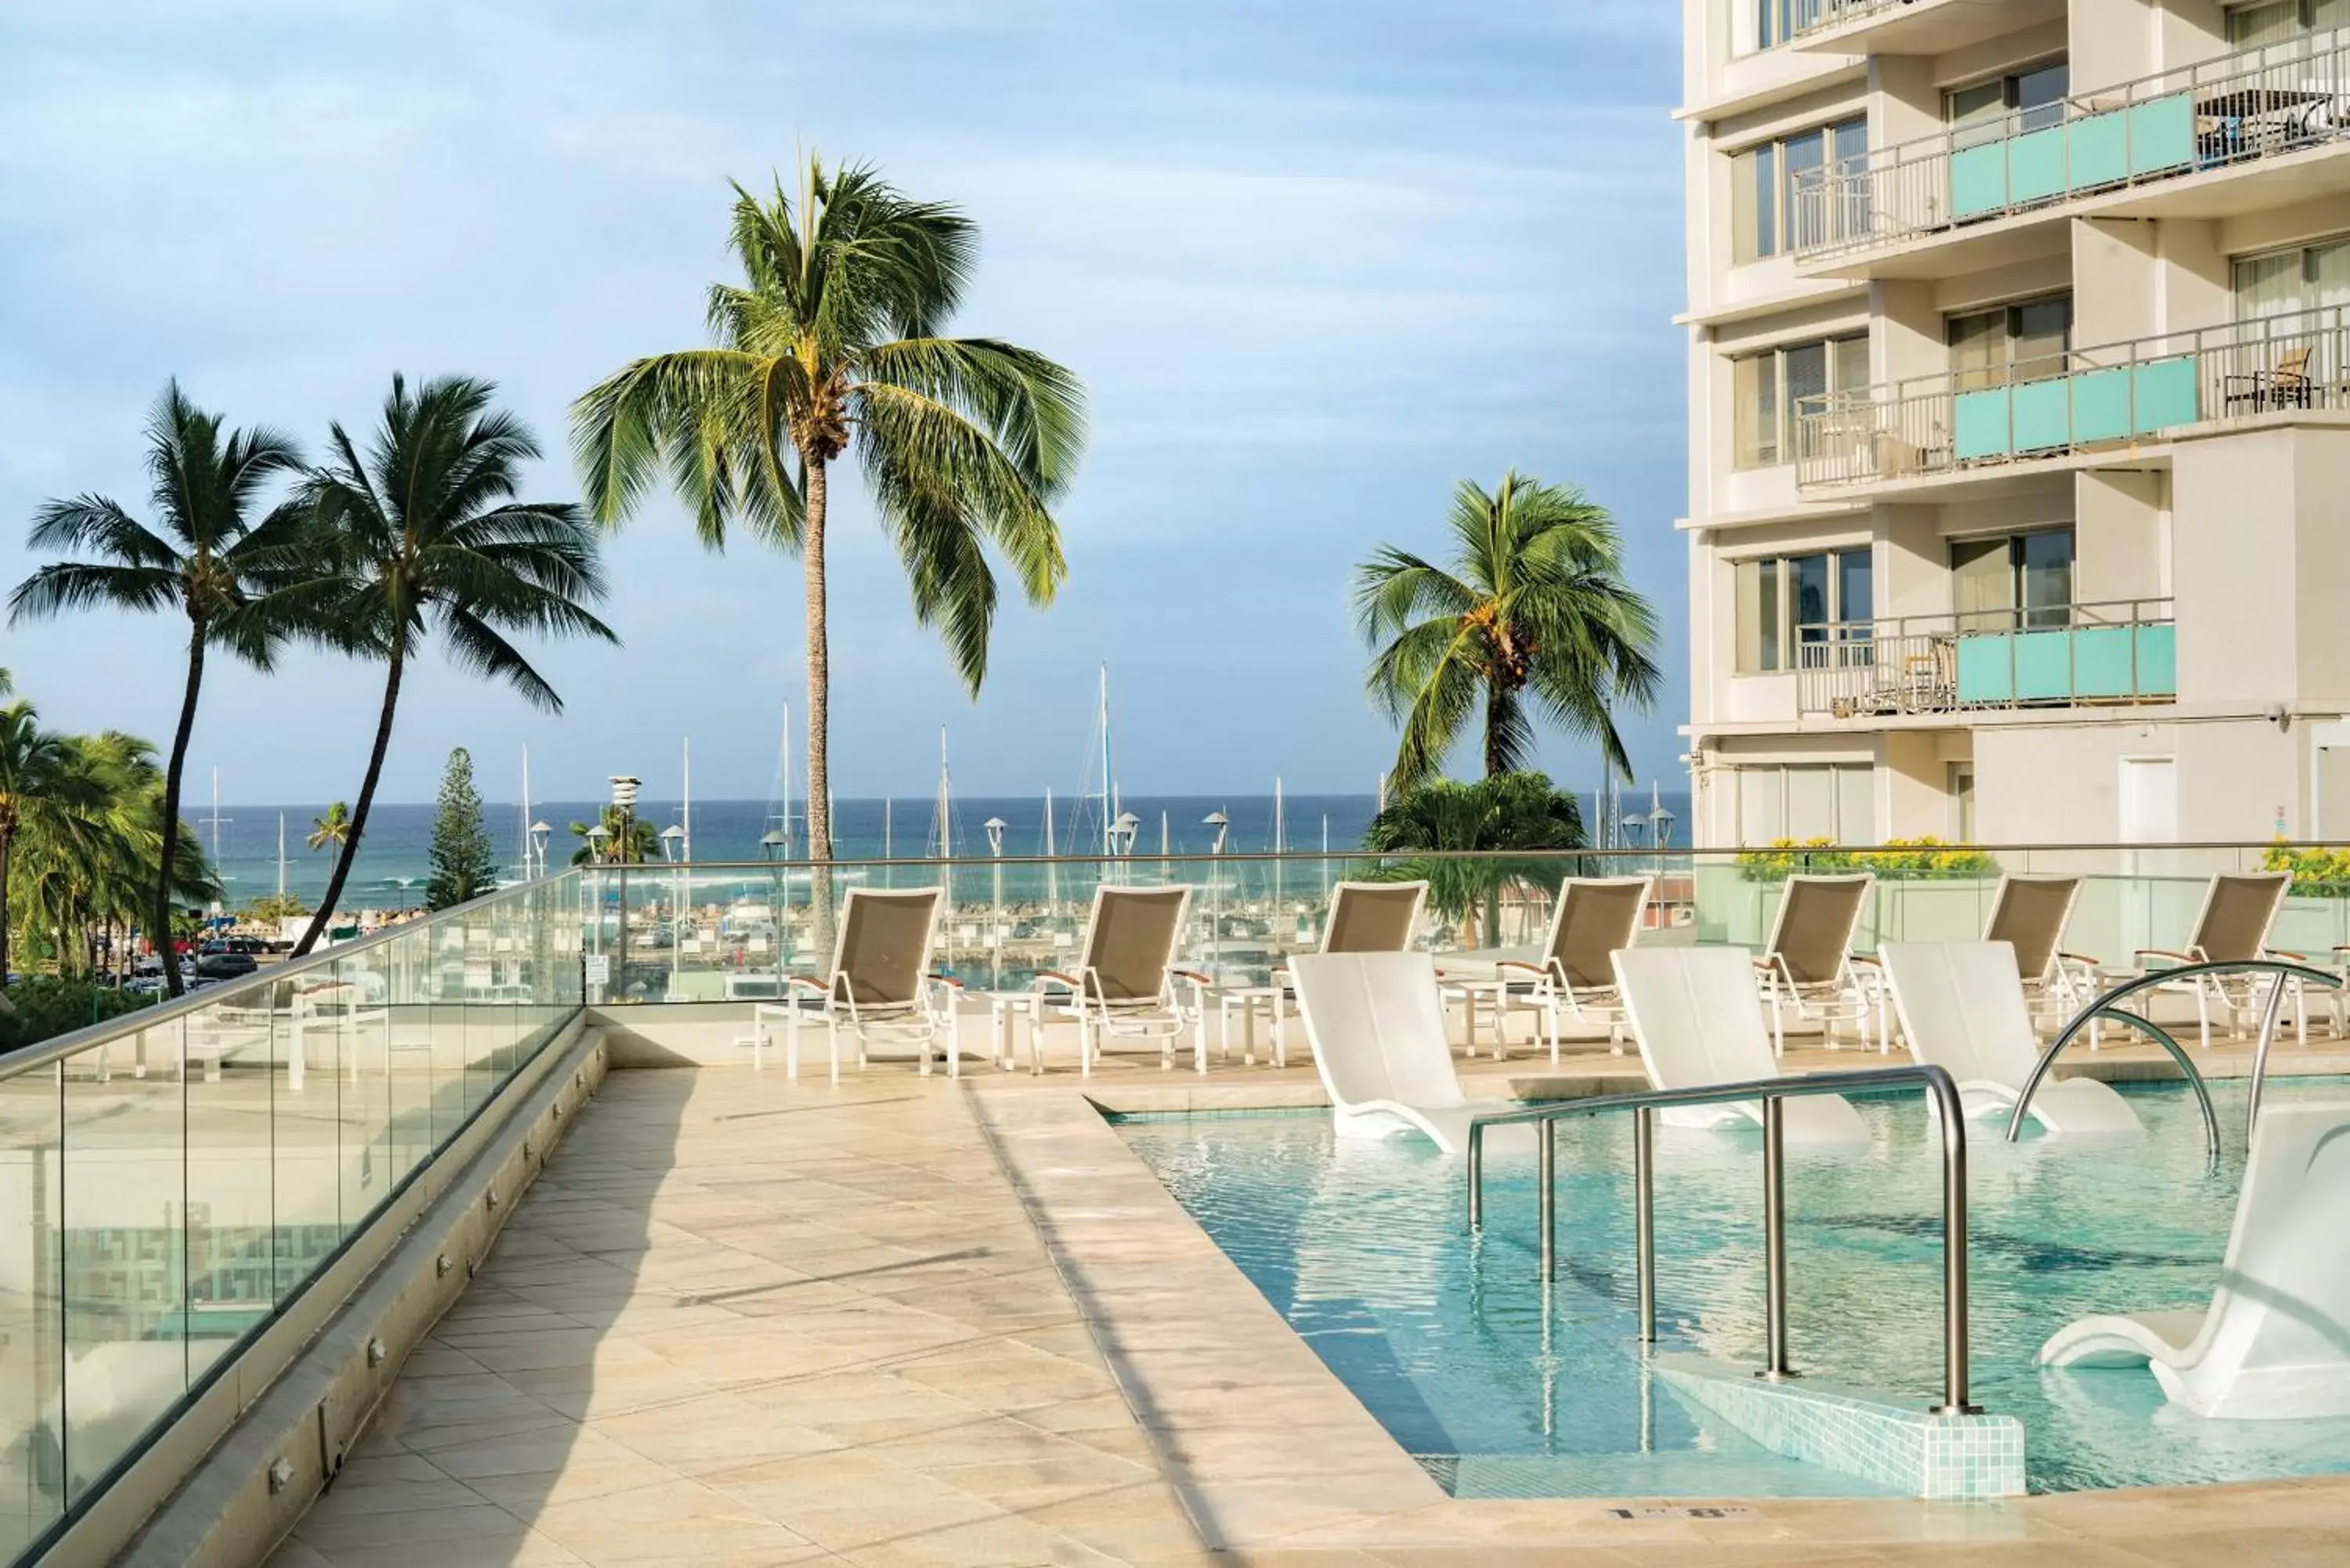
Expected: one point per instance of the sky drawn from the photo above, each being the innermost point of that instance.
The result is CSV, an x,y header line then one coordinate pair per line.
x,y
1315,262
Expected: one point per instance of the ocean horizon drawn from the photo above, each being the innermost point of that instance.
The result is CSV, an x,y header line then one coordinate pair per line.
x,y
393,860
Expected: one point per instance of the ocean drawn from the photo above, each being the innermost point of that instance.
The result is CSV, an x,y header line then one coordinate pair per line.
x,y
392,863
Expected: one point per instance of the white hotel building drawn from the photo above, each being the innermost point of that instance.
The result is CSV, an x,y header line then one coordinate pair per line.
x,y
2019,418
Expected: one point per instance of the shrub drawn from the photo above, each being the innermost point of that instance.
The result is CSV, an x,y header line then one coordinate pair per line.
x,y
41,1007
2317,873
1900,860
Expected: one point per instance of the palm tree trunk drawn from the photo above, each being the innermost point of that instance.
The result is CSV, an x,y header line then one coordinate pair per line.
x,y
8,839
161,934
819,716
350,844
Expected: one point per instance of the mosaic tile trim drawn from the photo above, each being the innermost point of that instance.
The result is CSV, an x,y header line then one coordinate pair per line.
x,y
1926,1456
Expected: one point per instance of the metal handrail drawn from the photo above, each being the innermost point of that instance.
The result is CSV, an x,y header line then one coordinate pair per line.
x,y
1773,1092
2106,1006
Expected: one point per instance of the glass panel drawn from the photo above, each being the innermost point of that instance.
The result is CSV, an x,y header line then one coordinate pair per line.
x,y
123,1208
1977,349
1855,598
2043,336
2045,563
1808,601
32,1351
1753,214
2040,94
2329,272
1849,365
1807,377
1770,616
2267,285
1983,585
1977,114
2249,26
2325,15
1746,595
1754,395
1802,155
1855,804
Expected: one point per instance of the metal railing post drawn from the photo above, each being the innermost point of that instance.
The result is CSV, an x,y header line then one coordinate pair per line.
x,y
1546,1179
1476,1176
1644,1217
1951,1114
2269,1010
1775,1238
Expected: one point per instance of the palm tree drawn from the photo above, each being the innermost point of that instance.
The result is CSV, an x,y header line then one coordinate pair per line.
x,y
1535,606
334,828
33,763
203,561
634,844
422,535
1513,823
830,345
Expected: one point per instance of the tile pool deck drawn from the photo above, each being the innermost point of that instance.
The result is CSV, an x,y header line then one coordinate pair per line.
x,y
742,1321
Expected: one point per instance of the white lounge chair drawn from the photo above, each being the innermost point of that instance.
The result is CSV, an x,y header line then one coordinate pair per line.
x,y
1595,917
2030,915
878,988
1694,1014
1365,918
2232,926
1961,1007
2274,1344
1376,1023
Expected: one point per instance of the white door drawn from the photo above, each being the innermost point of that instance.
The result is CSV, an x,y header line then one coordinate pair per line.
x,y
2149,800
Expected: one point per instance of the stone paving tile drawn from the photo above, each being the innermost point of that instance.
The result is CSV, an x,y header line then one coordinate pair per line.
x,y
741,1322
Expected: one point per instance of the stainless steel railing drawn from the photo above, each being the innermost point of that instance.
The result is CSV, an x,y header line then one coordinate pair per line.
x,y
2106,1007
1774,1092
1947,663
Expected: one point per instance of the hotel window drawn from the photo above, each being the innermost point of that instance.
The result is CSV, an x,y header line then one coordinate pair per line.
x,y
2017,580
1798,612
2034,99
1801,802
2306,277
1768,390
2013,343
2282,21
1763,216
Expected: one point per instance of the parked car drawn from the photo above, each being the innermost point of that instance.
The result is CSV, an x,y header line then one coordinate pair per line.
x,y
227,966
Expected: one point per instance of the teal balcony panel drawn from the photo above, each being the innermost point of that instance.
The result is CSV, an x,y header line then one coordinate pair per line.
x,y
2044,666
2101,405
2161,134
1981,427
2037,167
2104,664
2099,151
2042,412
1979,180
2165,394
1986,675
2157,660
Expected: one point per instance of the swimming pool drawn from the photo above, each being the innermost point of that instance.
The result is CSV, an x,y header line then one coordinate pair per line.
x,y
1500,1387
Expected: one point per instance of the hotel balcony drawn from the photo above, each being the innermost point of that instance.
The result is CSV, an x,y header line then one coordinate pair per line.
x,y
2058,656
2085,400
1910,26
2256,129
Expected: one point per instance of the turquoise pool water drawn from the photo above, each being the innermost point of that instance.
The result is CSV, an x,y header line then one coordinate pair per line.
x,y
1501,1388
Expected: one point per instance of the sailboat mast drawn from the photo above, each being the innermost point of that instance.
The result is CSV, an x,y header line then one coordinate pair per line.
x,y
1052,868
1110,789
885,827
685,798
281,856
945,798
528,873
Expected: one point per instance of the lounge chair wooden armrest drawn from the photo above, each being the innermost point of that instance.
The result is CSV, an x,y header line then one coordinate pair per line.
x,y
1053,974
946,979
2144,953
1765,964
1520,963
821,987
2079,957
1871,960
1193,975
2285,953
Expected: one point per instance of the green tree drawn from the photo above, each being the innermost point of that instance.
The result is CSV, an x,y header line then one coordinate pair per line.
x,y
1513,824
830,345
334,828
465,865
635,844
33,763
1535,610
423,537
203,560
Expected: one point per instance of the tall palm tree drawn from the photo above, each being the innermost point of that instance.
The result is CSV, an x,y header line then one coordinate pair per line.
x,y
201,560
89,859
424,536
830,345
334,828
1534,610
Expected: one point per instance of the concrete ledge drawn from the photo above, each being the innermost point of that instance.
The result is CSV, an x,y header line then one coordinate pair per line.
x,y
1937,1458
301,1392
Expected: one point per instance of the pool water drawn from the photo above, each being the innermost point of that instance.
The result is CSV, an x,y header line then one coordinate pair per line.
x,y
1501,1387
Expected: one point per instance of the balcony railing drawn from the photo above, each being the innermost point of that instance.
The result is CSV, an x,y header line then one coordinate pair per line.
x,y
2083,399
2059,656
2238,109
1818,16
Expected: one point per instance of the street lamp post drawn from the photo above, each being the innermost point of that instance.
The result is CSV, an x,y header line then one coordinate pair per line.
x,y
672,843
1217,823
624,801
539,833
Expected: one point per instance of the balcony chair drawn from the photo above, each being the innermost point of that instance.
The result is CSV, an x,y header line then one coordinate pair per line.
x,y
2285,386
879,987
1808,967
1595,918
